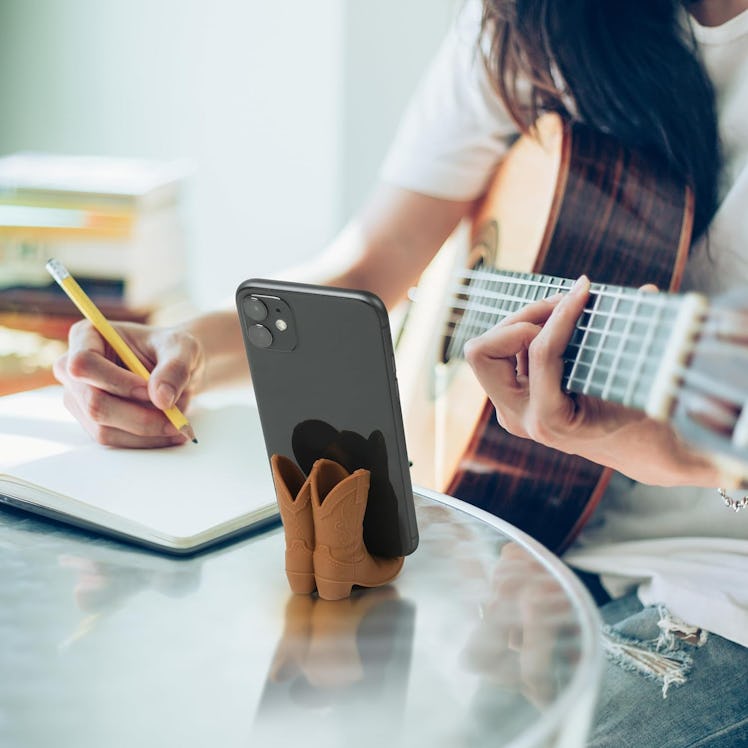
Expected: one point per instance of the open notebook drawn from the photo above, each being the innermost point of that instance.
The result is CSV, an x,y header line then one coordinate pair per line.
x,y
179,499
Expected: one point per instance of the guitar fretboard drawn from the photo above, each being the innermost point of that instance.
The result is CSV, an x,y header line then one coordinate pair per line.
x,y
620,340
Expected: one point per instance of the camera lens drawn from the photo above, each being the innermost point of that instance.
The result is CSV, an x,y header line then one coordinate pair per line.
x,y
260,336
255,309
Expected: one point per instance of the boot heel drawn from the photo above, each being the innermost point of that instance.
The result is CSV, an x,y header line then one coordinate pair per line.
x,y
301,583
332,589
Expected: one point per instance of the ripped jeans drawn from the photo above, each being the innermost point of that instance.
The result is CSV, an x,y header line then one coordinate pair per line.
x,y
666,685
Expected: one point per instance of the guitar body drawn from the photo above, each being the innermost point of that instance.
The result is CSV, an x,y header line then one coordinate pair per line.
x,y
564,202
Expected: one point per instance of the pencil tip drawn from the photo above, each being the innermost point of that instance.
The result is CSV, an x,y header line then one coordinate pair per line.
x,y
194,441
188,432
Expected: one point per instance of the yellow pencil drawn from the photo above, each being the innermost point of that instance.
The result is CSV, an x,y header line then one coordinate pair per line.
x,y
91,312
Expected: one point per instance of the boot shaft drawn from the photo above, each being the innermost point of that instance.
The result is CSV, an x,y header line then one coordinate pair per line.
x,y
292,490
338,507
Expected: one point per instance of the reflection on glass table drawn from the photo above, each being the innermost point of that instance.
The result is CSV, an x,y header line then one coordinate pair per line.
x,y
484,639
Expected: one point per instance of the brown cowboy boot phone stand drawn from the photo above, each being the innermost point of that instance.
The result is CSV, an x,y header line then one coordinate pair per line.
x,y
323,521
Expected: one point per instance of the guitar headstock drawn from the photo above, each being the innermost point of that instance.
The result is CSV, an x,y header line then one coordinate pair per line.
x,y
710,409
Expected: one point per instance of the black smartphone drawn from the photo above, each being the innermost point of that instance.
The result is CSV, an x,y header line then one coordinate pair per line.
x,y
323,370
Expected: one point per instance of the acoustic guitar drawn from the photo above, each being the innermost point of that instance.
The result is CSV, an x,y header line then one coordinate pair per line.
x,y
566,200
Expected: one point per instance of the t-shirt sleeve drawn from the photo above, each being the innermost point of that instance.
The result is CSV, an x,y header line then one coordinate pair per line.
x,y
455,129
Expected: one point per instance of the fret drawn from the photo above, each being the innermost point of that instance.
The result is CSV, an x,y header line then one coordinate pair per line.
x,y
637,372
536,292
471,327
509,288
615,367
589,318
456,337
486,314
530,294
631,370
498,314
621,330
468,317
661,331
622,326
521,291
601,337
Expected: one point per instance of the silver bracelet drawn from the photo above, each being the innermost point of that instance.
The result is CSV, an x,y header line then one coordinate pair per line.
x,y
735,504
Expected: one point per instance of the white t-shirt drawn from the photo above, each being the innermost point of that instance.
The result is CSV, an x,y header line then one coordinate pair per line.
x,y
678,546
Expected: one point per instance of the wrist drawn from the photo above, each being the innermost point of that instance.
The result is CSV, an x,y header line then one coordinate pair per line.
x,y
218,334
656,455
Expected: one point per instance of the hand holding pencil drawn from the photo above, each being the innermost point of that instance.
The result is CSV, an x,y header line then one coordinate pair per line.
x,y
116,404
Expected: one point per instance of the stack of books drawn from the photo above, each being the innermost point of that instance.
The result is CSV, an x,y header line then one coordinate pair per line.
x,y
114,222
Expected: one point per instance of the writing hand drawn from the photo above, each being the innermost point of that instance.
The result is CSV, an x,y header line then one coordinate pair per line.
x,y
117,407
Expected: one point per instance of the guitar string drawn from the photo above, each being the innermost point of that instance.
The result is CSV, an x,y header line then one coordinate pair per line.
x,y
486,316
637,373
682,376
684,373
659,300
604,290
672,302
571,379
644,298
551,283
714,346
707,348
694,403
454,322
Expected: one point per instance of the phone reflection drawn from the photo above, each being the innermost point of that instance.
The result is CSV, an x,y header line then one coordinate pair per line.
x,y
347,660
314,439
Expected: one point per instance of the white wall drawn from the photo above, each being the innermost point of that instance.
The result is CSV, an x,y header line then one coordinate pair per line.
x,y
387,46
285,108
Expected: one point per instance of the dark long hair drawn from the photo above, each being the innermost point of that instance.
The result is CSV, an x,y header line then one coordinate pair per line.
x,y
630,69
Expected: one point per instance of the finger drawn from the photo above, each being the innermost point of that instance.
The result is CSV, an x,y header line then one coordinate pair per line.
x,y
649,288
86,362
547,349
104,416
493,356
178,356
113,437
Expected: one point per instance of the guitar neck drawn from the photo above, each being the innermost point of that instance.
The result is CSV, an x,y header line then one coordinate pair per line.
x,y
628,345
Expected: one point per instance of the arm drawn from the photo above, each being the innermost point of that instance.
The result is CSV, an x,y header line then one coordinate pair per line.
x,y
519,364
384,250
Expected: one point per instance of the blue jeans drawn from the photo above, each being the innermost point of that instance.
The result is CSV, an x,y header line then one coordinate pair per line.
x,y
667,688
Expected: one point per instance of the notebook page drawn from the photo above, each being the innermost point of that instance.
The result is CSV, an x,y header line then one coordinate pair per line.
x,y
176,492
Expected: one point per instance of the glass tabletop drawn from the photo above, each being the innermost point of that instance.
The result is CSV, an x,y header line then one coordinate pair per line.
x,y
484,639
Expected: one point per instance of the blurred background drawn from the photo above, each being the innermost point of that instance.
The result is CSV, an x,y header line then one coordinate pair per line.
x,y
282,110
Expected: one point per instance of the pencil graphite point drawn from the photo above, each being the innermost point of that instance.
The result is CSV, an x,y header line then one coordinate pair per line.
x,y
188,432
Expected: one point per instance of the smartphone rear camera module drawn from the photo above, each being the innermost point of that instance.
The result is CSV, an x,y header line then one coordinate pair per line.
x,y
260,336
255,309
270,321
